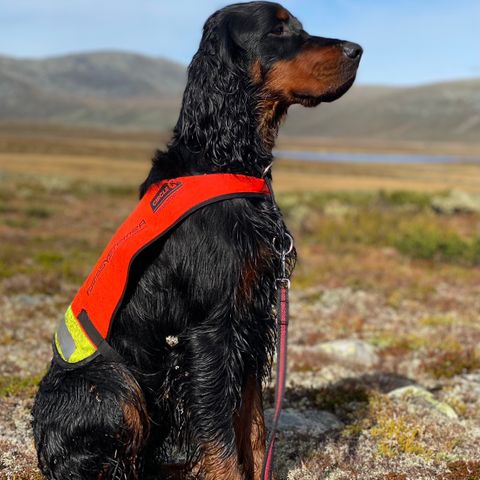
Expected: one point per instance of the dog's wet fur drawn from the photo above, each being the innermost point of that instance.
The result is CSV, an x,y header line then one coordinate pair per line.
x,y
210,282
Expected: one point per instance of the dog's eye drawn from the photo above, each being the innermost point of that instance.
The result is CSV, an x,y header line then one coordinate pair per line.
x,y
278,30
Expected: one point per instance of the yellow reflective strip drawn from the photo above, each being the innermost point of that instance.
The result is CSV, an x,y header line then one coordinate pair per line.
x,y
83,347
59,348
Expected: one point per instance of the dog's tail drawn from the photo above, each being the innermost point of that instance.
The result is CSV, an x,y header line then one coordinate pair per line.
x,y
90,422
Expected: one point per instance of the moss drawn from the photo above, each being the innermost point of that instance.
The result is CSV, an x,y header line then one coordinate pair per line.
x,y
399,342
72,264
38,212
7,338
15,386
405,198
462,470
447,364
20,223
395,476
48,259
397,435
437,320
28,475
5,208
331,398
6,271
457,404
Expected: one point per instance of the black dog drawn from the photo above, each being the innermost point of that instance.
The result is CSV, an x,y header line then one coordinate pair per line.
x,y
209,284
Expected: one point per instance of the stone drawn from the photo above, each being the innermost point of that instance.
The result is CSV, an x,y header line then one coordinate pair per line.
x,y
351,350
312,422
25,300
416,392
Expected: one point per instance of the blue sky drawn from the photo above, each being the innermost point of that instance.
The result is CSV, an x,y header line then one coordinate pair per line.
x,y
405,41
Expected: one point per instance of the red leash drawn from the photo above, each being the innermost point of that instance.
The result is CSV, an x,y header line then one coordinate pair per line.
x,y
283,286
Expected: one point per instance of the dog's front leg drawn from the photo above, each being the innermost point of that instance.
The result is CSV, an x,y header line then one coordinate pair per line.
x,y
214,372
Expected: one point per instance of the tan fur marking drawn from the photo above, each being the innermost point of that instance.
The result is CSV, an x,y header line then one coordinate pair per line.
x,y
256,72
253,270
271,113
250,431
314,71
213,466
283,15
137,425
248,278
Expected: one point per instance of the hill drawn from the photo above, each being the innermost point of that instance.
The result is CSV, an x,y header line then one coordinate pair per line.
x,y
116,89
99,89
437,112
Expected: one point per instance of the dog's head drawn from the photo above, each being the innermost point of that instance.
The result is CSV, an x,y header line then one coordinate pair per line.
x,y
265,41
254,61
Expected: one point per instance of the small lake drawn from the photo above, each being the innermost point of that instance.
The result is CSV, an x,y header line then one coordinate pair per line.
x,y
351,157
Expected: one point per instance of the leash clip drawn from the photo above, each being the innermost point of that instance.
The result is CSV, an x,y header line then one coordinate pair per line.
x,y
283,281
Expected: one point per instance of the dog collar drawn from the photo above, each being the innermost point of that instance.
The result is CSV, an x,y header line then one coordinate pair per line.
x,y
85,329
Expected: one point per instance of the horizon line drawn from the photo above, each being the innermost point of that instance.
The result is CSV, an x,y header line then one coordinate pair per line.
x,y
106,50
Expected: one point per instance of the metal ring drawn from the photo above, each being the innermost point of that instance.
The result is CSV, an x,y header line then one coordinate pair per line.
x,y
285,252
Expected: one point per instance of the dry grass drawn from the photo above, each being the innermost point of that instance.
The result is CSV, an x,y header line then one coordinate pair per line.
x,y
95,154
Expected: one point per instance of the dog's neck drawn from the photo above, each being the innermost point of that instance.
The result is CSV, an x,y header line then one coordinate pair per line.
x,y
231,130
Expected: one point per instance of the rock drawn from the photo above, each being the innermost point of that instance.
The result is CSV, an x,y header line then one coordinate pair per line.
x,y
419,393
331,299
25,300
457,201
312,422
351,350
472,377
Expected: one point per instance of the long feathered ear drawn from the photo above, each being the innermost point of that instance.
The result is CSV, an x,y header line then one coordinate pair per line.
x,y
217,120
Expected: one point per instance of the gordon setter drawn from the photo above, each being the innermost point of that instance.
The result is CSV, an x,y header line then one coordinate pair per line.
x,y
196,329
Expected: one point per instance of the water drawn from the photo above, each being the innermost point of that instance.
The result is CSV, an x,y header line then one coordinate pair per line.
x,y
391,158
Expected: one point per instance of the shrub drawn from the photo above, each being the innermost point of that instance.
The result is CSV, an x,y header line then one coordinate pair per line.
x,y
432,242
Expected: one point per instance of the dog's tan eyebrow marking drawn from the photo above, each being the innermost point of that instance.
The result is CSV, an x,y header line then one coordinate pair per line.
x,y
283,15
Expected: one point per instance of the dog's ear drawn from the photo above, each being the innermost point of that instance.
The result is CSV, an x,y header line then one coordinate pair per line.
x,y
217,84
217,45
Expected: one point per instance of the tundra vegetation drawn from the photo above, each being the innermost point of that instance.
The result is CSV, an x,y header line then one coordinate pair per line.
x,y
384,338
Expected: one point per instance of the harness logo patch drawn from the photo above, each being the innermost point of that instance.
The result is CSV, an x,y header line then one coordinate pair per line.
x,y
164,192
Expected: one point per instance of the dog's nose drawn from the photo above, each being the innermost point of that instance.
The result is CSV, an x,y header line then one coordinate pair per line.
x,y
352,50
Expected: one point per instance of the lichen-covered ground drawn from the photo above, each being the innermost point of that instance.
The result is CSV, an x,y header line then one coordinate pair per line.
x,y
384,337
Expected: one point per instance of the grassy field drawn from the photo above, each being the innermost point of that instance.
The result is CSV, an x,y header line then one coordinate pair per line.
x,y
388,263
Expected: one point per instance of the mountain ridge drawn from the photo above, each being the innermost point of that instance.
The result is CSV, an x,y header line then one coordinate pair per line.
x,y
111,88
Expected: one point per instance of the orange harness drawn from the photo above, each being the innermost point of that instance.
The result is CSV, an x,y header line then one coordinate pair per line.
x,y
84,331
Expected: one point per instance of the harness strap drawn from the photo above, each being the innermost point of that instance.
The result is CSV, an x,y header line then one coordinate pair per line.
x,y
85,330
282,336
